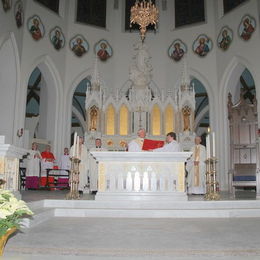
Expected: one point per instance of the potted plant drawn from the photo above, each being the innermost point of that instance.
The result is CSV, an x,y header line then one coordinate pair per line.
x,y
11,212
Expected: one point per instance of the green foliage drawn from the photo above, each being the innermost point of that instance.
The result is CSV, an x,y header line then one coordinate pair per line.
x,y
11,211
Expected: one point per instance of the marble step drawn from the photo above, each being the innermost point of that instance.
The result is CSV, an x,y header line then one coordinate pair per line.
x,y
47,209
157,213
40,214
162,205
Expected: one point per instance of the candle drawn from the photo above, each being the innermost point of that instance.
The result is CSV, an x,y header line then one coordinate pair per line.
x,y
77,147
74,145
208,146
213,145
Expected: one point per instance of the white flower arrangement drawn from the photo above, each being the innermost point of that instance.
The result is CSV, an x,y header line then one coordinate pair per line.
x,y
11,211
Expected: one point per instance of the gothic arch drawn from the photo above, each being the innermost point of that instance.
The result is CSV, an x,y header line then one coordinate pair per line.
x,y
205,82
10,65
55,128
156,120
230,76
69,92
110,120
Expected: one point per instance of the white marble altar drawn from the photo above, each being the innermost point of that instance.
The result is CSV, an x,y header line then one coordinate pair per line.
x,y
141,176
9,165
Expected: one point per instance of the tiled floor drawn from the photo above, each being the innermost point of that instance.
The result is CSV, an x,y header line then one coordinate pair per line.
x,y
153,239
110,238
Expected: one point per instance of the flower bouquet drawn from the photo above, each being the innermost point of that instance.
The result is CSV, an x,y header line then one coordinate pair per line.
x,y
11,212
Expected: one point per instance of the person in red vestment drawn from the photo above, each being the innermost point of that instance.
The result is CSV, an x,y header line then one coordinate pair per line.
x,y
47,160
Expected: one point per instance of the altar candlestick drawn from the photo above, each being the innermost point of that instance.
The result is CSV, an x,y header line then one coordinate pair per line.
x,y
74,145
213,145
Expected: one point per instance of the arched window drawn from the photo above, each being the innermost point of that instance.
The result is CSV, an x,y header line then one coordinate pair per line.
x,y
156,120
51,4
123,124
110,120
92,12
169,119
189,12
229,5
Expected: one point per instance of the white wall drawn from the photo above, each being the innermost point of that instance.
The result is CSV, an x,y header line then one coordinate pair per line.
x,y
10,52
62,70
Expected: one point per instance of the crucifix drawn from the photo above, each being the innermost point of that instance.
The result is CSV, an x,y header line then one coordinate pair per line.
x,y
140,116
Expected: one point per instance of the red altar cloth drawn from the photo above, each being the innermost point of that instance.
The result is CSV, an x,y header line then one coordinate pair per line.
x,y
152,144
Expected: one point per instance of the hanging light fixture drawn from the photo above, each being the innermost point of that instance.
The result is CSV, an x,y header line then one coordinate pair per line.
x,y
144,13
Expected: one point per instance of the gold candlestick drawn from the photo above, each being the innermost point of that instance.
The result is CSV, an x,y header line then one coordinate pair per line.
x,y
212,192
74,180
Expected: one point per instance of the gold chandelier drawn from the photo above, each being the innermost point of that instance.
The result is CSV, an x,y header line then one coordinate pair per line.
x,y
144,13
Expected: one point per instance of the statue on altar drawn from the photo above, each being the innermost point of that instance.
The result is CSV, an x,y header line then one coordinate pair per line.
x,y
93,118
186,112
140,71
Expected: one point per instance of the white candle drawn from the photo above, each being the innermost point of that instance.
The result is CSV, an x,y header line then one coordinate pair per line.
x,y
77,147
74,145
213,145
208,146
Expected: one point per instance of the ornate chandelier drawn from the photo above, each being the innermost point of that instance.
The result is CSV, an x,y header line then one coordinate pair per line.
x,y
144,13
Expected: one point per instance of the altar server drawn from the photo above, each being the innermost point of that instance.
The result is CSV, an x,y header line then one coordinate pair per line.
x,y
64,161
33,168
196,168
33,161
171,144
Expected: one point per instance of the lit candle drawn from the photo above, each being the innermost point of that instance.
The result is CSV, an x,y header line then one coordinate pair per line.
x,y
213,145
74,145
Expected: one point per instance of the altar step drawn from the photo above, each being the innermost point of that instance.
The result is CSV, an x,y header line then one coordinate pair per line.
x,y
47,209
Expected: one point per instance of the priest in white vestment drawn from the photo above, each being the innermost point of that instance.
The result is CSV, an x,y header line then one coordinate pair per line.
x,y
64,161
93,166
33,161
136,145
83,165
196,168
171,144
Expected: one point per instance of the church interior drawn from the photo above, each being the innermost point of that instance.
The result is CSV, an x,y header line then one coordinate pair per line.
x,y
83,67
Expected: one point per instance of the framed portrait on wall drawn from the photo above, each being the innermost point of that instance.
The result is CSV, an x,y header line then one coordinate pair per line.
x,y
57,38
225,38
246,27
35,27
202,45
18,13
103,50
177,49
79,45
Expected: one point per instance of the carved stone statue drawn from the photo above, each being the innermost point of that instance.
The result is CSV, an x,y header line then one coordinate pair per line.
x,y
140,72
186,112
93,118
